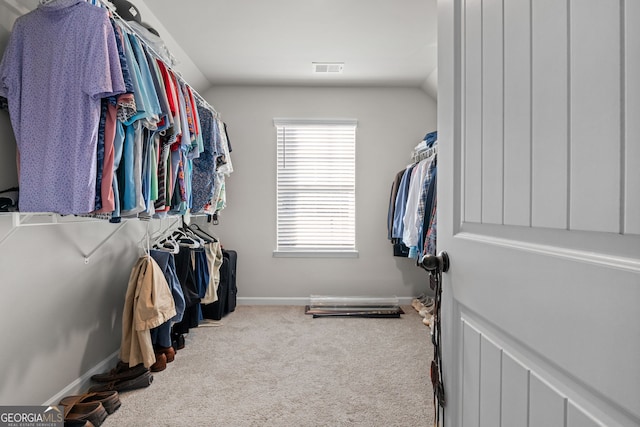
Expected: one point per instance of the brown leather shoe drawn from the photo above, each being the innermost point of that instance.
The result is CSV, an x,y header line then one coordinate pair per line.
x,y
78,423
168,351
161,363
109,399
93,412
122,371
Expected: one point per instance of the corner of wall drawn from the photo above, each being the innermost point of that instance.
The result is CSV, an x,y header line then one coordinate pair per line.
x,y
186,66
430,85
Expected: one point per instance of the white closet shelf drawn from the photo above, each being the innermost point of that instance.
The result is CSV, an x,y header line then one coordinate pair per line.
x,y
32,219
19,220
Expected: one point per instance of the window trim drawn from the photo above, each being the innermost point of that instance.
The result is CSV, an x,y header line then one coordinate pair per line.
x,y
315,254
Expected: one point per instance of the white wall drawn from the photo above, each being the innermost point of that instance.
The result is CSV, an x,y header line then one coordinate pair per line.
x,y
184,64
390,123
60,316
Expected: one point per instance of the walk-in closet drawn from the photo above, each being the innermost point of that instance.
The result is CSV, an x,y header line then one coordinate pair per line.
x,y
133,185
320,213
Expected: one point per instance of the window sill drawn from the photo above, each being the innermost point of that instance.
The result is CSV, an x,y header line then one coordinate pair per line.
x,y
315,254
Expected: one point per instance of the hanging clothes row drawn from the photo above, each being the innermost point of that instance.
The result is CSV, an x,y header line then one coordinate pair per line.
x,y
104,126
178,273
411,218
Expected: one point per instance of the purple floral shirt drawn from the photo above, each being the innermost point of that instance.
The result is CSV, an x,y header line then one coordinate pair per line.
x,y
60,61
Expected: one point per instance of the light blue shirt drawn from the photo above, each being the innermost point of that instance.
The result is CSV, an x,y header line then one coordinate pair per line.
x,y
401,203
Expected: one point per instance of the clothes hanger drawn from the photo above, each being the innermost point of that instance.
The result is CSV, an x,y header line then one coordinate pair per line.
x,y
200,232
184,239
167,245
189,234
164,241
194,236
145,242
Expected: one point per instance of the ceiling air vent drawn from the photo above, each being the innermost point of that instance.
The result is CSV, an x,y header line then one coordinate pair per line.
x,y
328,67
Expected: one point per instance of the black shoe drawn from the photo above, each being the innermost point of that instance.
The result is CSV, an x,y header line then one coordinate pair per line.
x,y
177,342
122,371
141,381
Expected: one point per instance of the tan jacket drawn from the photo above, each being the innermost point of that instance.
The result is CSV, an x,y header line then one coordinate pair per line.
x,y
148,304
214,259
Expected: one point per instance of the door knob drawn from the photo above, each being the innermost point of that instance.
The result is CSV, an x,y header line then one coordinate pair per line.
x,y
435,263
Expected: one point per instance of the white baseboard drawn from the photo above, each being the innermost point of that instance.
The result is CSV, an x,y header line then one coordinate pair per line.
x,y
293,300
273,300
80,385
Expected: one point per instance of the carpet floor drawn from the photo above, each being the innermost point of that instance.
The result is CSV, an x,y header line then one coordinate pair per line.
x,y
274,366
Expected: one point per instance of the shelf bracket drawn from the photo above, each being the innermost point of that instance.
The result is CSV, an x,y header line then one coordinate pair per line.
x,y
101,244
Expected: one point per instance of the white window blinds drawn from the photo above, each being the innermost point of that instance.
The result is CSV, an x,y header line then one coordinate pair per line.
x,y
316,186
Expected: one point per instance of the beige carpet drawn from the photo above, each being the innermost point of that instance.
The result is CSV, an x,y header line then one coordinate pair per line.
x,y
275,366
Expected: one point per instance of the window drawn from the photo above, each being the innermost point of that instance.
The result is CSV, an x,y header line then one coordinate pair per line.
x,y
316,187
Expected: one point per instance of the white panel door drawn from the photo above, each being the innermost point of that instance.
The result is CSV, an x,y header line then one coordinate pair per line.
x,y
538,188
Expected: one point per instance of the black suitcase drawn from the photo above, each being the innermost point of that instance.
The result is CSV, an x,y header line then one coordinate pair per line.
x,y
232,289
227,289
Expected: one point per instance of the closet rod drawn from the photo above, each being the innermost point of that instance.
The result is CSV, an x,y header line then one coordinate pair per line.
x,y
109,6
